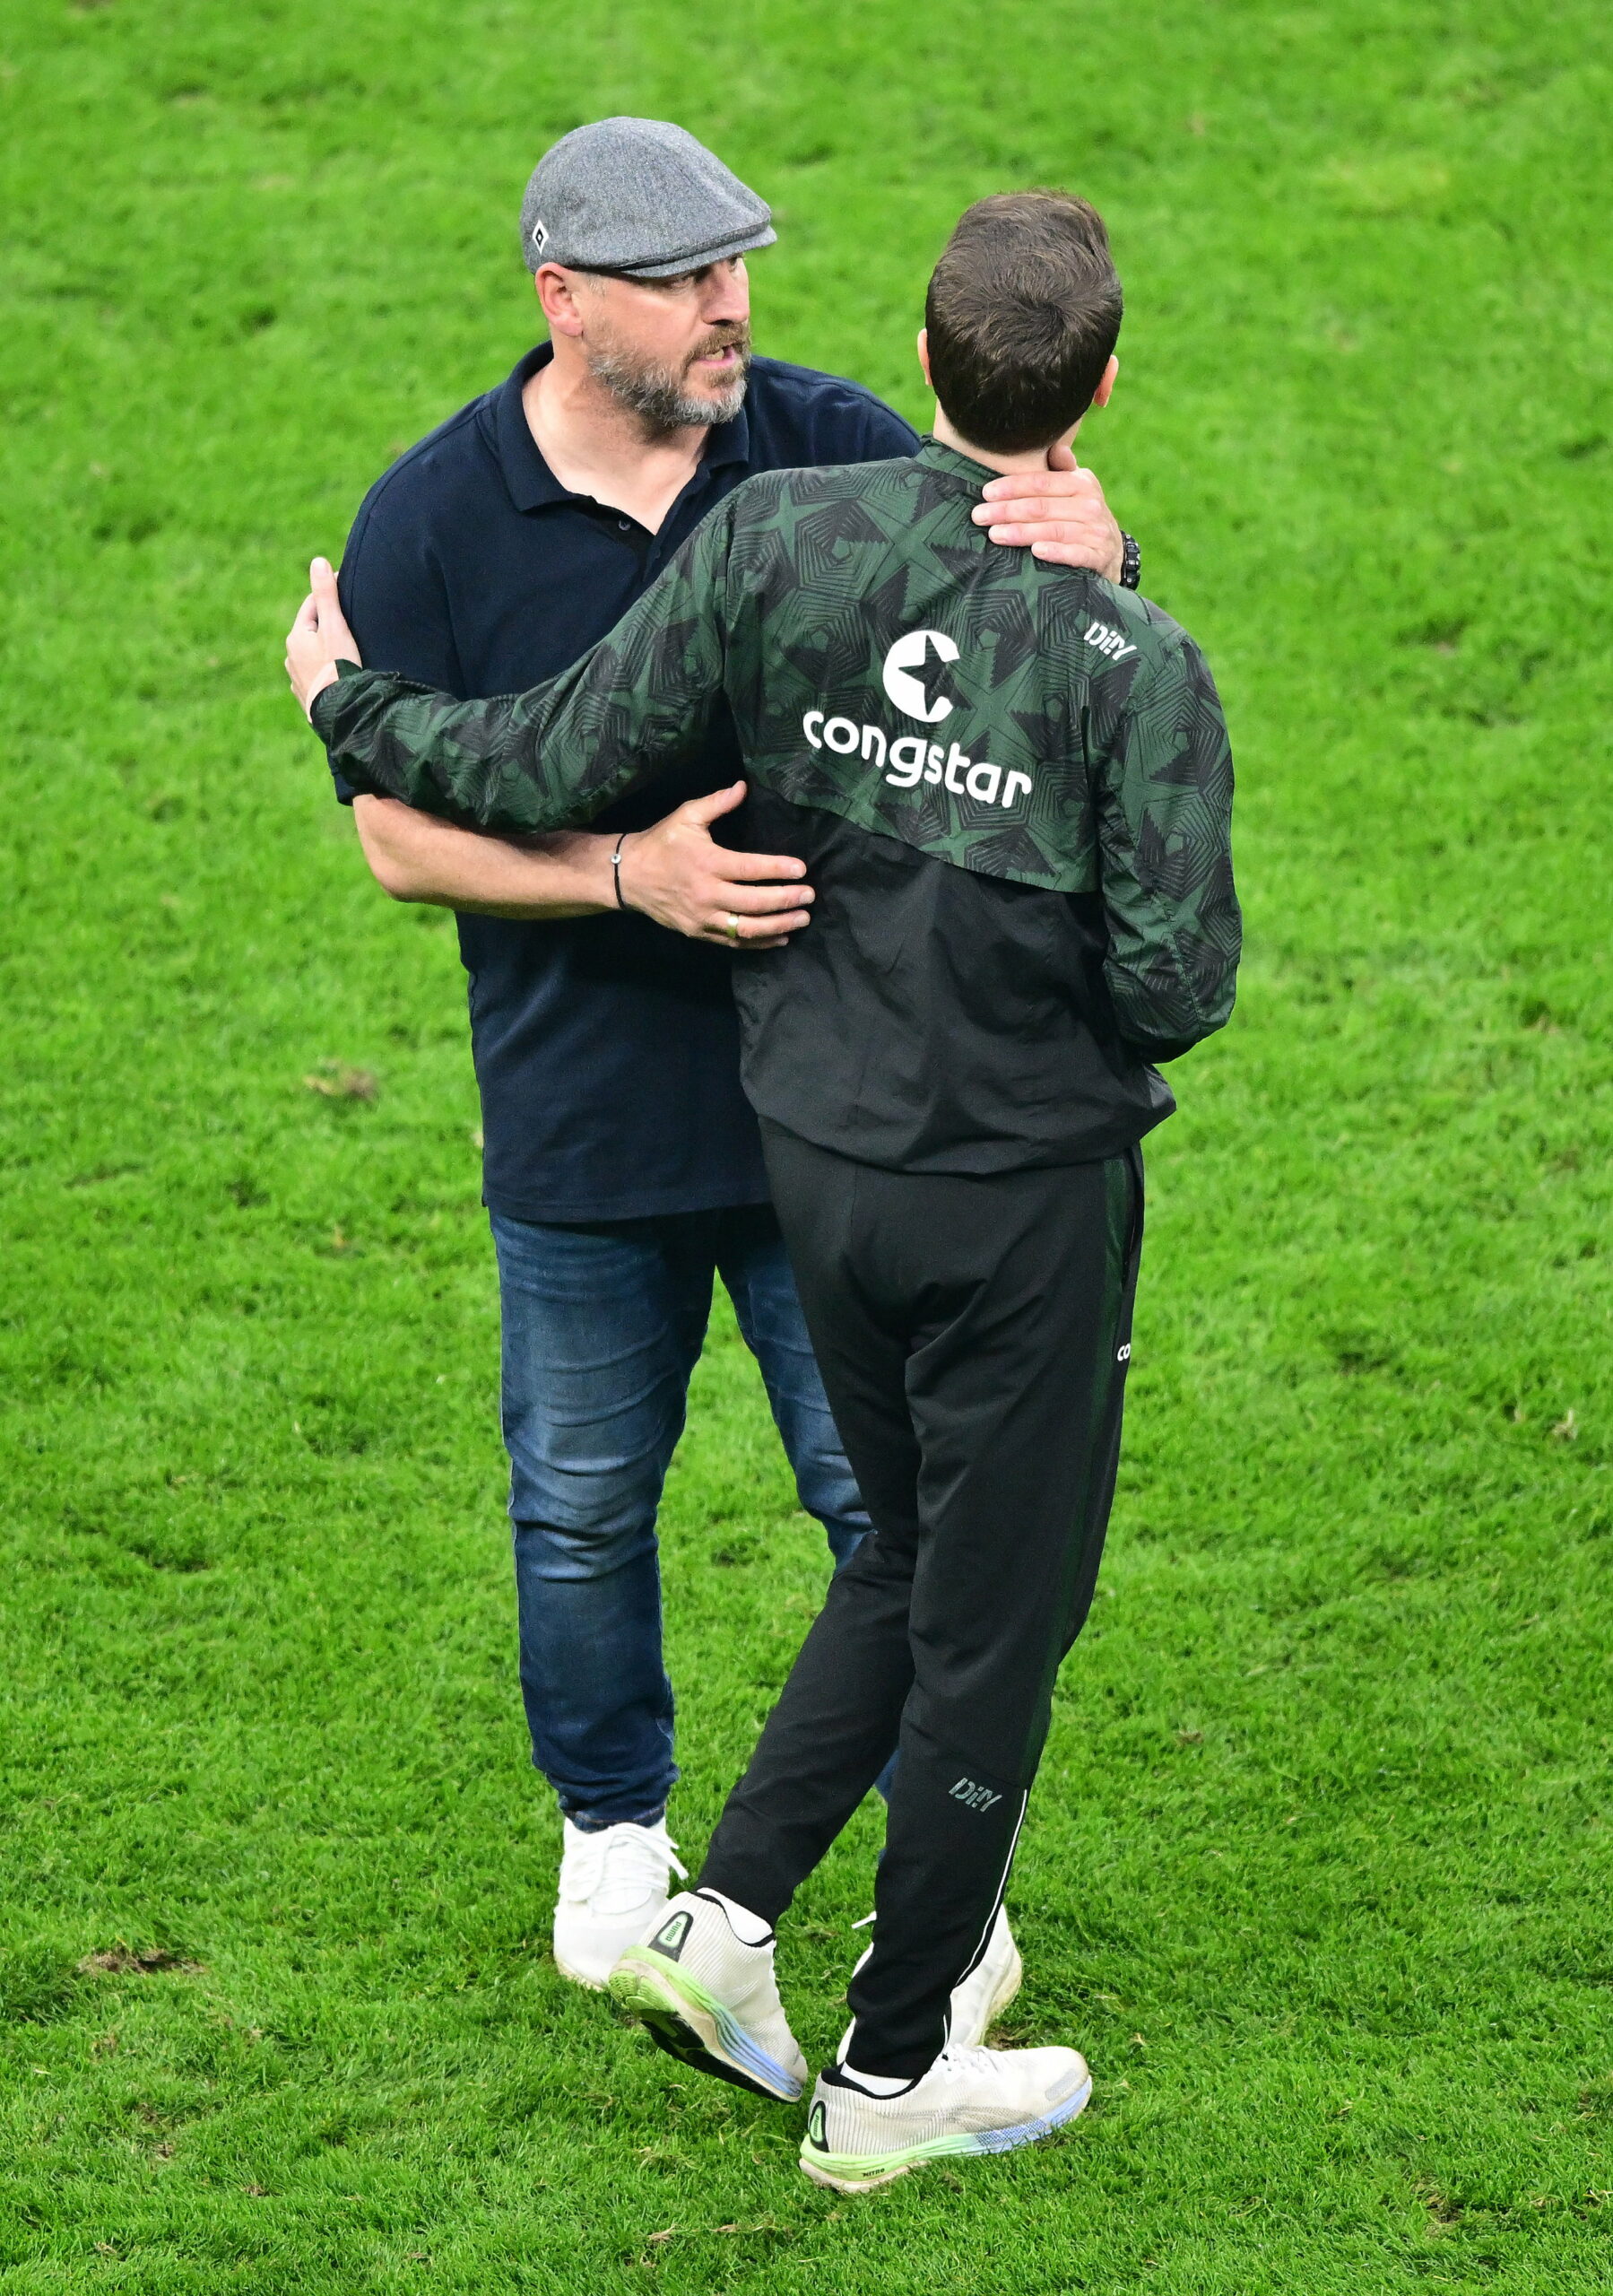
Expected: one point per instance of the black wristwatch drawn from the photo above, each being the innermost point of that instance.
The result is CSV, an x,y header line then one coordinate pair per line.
x,y
1130,561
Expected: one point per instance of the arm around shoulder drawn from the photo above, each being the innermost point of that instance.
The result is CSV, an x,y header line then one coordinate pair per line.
x,y
554,756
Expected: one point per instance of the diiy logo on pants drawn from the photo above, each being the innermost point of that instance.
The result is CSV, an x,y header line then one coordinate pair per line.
x,y
973,1796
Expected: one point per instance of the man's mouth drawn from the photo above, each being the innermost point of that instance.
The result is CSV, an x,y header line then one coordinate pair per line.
x,y
725,356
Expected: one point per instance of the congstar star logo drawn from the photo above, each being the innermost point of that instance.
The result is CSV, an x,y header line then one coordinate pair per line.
x,y
912,674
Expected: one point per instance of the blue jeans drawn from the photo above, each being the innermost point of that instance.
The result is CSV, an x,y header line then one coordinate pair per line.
x,y
603,1326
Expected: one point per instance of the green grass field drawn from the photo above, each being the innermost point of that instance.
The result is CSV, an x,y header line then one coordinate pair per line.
x,y
1319,1871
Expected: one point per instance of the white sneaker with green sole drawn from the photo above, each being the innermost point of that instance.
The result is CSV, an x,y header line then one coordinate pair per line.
x,y
982,1996
985,1993
711,2001
970,2101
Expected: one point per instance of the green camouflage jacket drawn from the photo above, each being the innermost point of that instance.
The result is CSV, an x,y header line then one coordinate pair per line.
x,y
887,666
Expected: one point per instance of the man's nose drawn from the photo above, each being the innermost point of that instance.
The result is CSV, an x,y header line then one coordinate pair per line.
x,y
727,295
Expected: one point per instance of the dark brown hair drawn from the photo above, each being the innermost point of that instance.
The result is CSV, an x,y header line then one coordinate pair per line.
x,y
1022,312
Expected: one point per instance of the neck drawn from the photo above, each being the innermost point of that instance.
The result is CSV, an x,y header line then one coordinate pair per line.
x,y
585,434
1033,458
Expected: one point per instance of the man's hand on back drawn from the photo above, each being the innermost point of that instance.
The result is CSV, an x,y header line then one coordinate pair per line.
x,y
319,637
1060,513
679,874
674,873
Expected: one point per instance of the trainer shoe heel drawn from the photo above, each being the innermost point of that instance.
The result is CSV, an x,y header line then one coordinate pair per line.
x,y
711,2001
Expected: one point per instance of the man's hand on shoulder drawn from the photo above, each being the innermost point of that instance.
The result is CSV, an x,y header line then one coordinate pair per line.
x,y
319,637
1059,514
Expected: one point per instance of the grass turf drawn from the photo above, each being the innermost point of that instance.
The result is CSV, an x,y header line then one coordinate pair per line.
x,y
1319,1871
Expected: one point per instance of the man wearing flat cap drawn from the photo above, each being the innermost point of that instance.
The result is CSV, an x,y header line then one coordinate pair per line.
x,y
623,1164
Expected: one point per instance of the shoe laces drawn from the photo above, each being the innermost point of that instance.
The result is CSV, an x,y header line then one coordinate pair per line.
x,y
634,1864
958,2065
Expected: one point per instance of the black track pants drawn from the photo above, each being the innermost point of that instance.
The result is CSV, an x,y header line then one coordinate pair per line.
x,y
973,1335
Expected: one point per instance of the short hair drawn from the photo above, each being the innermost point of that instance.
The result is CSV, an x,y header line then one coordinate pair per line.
x,y
1022,313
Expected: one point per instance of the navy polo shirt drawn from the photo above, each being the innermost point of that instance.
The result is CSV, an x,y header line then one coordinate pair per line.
x,y
606,1049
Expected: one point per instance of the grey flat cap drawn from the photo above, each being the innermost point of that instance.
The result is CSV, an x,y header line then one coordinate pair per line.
x,y
639,196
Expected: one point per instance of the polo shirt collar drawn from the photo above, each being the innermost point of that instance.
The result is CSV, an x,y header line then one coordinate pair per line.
x,y
729,442
531,482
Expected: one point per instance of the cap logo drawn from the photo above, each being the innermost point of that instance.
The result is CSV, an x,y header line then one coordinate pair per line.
x,y
539,236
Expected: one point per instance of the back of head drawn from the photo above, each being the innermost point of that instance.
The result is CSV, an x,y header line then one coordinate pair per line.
x,y
1022,315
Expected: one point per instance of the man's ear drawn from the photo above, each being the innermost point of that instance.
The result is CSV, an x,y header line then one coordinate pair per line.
x,y
923,352
557,299
1102,394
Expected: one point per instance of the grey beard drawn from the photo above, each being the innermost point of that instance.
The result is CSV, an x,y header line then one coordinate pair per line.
x,y
657,396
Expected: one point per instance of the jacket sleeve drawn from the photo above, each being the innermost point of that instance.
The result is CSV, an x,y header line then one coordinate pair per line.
x,y
636,704
1162,785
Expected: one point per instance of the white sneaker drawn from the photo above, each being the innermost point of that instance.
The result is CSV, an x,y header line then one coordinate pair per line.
x,y
612,1889
984,1995
710,2001
970,2101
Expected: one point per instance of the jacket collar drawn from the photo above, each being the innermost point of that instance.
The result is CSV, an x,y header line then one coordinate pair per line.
x,y
933,455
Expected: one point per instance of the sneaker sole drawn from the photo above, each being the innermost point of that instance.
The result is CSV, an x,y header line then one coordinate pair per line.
x,y
864,2172
576,1977
691,2024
